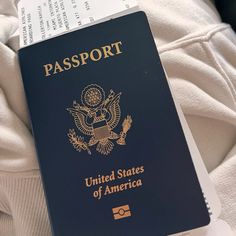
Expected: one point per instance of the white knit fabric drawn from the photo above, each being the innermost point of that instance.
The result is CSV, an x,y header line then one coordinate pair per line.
x,y
199,55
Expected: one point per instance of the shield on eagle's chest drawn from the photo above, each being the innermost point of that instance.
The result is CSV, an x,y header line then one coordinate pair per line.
x,y
101,130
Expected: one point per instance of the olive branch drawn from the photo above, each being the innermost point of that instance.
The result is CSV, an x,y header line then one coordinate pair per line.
x,y
78,142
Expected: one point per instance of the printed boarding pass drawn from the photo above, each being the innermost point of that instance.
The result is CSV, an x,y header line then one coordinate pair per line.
x,y
44,19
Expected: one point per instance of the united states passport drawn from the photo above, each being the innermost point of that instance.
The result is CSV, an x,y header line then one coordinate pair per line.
x,y
111,149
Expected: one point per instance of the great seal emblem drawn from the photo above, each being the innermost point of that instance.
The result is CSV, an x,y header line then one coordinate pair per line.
x,y
97,116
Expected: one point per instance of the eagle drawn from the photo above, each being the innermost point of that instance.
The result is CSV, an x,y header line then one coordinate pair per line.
x,y
97,116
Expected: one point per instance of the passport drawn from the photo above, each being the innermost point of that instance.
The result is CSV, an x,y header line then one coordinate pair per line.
x,y
112,153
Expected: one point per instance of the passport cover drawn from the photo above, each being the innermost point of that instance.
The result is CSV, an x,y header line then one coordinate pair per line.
x,y
112,153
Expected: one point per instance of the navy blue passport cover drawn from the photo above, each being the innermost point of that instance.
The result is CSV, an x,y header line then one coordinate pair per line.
x,y
111,149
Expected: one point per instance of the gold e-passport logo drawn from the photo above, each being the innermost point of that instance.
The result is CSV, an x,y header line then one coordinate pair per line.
x,y
121,212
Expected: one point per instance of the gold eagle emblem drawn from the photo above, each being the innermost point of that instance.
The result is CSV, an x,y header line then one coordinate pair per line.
x,y
97,116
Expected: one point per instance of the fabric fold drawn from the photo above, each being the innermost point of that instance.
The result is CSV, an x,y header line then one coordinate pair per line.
x,y
198,52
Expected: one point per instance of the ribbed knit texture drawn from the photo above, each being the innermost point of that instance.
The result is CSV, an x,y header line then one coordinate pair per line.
x,y
22,201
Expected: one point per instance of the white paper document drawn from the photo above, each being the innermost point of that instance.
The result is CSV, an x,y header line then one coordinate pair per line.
x,y
40,20
43,19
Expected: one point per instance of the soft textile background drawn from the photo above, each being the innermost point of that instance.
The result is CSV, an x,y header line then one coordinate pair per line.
x,y
199,55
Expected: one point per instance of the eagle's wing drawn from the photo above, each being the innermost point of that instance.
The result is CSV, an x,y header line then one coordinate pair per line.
x,y
114,111
80,121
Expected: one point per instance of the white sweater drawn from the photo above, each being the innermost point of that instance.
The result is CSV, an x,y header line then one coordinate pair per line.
x,y
198,53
